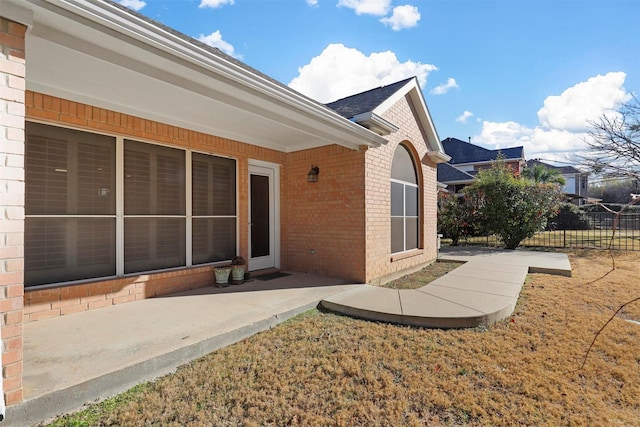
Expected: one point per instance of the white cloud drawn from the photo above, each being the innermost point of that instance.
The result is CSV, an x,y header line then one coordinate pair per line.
x,y
312,2
584,102
563,120
133,4
406,16
367,7
215,40
444,88
464,117
340,71
214,3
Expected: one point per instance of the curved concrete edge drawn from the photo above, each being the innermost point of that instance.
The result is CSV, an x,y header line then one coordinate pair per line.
x,y
471,319
485,292
44,408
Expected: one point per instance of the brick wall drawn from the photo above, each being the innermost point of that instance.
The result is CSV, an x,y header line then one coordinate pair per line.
x,y
323,227
44,303
12,88
380,266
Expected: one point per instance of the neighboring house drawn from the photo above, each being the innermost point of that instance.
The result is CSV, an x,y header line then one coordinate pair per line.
x,y
576,181
134,159
467,159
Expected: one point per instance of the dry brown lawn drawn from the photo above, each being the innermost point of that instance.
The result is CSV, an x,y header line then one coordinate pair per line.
x,y
321,369
424,276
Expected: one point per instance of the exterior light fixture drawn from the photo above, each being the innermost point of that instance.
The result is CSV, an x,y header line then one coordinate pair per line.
x,y
312,176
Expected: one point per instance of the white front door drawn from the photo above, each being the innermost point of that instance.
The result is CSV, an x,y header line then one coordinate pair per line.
x,y
264,238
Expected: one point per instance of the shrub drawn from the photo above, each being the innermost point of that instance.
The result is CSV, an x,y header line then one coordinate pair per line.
x,y
512,208
455,217
570,217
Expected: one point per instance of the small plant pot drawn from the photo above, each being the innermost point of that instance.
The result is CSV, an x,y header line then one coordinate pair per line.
x,y
222,276
237,274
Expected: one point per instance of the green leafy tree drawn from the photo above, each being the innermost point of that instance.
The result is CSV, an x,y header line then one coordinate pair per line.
x,y
540,174
511,208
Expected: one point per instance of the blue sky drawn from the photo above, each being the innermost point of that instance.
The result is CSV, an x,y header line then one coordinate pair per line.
x,y
503,72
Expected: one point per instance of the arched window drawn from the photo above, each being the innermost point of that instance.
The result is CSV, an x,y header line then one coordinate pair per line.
x,y
405,202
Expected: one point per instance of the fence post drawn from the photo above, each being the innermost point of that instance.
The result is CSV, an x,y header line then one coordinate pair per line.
x,y
564,238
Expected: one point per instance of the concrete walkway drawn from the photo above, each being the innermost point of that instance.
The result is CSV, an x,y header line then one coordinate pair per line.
x,y
80,358
72,360
483,290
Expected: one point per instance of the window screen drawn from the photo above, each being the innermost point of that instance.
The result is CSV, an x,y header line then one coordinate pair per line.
x,y
70,205
214,208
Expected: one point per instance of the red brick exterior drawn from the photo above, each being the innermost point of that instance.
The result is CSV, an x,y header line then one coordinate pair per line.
x,y
12,87
380,265
339,226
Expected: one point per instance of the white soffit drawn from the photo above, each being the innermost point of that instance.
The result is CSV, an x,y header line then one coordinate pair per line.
x,y
76,58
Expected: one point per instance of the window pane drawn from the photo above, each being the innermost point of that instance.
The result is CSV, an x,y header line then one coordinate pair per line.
x,y
153,243
397,199
411,201
402,167
214,239
69,172
411,238
214,185
66,249
154,180
397,235
260,220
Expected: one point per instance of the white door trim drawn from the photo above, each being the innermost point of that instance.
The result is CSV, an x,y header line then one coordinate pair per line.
x,y
274,200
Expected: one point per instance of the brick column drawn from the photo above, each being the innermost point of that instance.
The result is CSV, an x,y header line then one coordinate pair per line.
x,y
12,190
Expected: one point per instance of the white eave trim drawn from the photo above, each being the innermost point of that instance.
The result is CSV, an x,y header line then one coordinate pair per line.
x,y
438,156
375,123
107,15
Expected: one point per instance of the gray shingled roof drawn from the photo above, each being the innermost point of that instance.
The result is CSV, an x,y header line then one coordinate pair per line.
x,y
464,152
448,173
564,170
367,101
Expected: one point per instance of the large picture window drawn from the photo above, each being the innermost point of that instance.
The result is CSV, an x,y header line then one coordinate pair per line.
x,y
214,208
76,204
405,202
70,205
154,207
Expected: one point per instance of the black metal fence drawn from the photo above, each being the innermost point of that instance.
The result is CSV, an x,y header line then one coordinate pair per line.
x,y
590,230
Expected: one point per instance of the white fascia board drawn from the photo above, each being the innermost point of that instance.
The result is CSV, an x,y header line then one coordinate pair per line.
x,y
127,27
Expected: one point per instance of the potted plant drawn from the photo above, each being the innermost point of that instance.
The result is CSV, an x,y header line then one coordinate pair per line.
x,y
238,267
222,273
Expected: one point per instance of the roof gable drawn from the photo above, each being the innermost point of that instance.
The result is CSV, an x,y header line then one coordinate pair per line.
x,y
367,108
448,174
564,170
367,101
462,152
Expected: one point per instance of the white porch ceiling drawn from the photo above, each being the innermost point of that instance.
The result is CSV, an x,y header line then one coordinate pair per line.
x,y
92,52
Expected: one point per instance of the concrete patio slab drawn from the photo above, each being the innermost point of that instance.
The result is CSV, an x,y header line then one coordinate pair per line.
x,y
71,360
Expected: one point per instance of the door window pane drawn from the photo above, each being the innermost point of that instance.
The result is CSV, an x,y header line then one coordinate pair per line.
x,y
260,230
